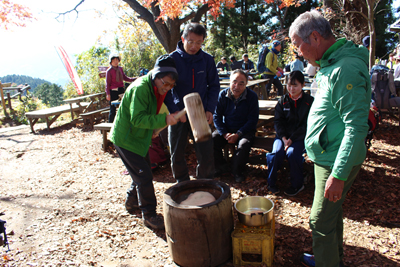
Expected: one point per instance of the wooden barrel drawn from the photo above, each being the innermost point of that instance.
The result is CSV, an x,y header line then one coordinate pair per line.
x,y
199,235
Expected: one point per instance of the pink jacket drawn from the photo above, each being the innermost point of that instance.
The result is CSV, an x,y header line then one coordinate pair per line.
x,y
111,82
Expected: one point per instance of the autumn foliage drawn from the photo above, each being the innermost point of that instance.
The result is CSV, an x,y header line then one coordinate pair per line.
x,y
285,3
13,14
174,8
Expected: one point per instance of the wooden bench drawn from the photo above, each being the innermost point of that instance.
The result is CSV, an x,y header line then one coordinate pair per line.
x,y
54,112
89,118
104,127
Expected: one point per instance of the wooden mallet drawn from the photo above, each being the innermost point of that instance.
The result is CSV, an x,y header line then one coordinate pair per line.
x,y
197,118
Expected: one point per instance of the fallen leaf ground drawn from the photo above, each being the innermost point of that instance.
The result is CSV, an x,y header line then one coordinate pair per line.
x,y
63,200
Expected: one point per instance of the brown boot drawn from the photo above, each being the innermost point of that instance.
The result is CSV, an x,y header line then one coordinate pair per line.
x,y
154,221
131,204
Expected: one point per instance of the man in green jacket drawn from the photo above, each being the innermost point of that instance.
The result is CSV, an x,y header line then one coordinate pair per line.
x,y
336,129
137,117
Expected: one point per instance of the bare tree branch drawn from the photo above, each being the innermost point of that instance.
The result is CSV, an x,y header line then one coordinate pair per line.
x,y
358,12
74,9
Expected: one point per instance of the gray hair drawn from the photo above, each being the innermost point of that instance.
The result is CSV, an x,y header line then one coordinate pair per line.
x,y
240,71
308,22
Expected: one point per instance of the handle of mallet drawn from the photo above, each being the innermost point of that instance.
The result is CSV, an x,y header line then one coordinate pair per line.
x,y
176,116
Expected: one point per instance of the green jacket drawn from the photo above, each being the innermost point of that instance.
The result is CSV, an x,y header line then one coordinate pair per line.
x,y
136,117
337,122
271,63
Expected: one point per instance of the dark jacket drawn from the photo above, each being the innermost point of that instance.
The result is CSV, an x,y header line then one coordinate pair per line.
x,y
242,117
291,117
197,73
236,65
248,66
223,66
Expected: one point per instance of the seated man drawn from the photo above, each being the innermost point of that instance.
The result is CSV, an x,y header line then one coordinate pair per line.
x,y
235,118
290,124
246,63
223,65
235,64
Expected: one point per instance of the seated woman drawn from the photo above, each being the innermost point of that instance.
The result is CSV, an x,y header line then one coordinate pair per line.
x,y
290,123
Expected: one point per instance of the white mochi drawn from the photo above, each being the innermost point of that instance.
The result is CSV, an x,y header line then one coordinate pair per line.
x,y
198,198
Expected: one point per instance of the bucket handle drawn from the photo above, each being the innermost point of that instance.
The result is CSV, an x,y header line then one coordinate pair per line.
x,y
258,213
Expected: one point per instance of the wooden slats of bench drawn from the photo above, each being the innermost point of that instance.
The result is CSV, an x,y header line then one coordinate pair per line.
x,y
94,112
264,142
89,118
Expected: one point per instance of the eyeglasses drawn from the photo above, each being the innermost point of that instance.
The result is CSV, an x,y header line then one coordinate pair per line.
x,y
167,83
297,49
194,43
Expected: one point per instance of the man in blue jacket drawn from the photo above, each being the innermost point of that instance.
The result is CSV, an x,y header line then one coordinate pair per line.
x,y
235,118
197,73
246,63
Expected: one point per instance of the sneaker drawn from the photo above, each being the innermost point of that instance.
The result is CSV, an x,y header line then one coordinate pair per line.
x,y
273,189
291,191
131,204
239,178
308,260
153,221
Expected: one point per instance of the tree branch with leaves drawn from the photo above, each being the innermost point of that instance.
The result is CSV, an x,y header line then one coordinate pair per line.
x,y
14,14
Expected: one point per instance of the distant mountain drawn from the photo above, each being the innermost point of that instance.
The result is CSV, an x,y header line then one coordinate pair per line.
x,y
22,79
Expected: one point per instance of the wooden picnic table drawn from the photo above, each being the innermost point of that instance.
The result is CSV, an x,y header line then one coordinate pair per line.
x,y
91,113
54,112
267,107
252,84
95,99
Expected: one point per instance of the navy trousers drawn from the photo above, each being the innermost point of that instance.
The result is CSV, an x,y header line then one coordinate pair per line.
x,y
241,155
294,154
178,138
274,81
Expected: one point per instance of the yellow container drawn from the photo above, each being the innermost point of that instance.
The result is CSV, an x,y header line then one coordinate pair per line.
x,y
253,245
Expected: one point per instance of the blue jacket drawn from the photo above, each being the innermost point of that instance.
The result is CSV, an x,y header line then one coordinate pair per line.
x,y
242,117
197,73
297,65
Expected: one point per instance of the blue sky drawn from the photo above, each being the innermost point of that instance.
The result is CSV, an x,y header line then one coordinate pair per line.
x,y
30,50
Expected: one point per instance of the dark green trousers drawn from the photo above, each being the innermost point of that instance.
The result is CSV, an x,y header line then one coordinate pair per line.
x,y
326,219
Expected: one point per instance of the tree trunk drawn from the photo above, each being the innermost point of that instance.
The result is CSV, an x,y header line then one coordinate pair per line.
x,y
372,34
167,32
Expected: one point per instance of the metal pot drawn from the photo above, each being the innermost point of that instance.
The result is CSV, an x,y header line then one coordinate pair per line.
x,y
255,211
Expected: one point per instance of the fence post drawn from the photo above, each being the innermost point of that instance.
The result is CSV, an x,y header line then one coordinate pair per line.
x,y
9,101
2,98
